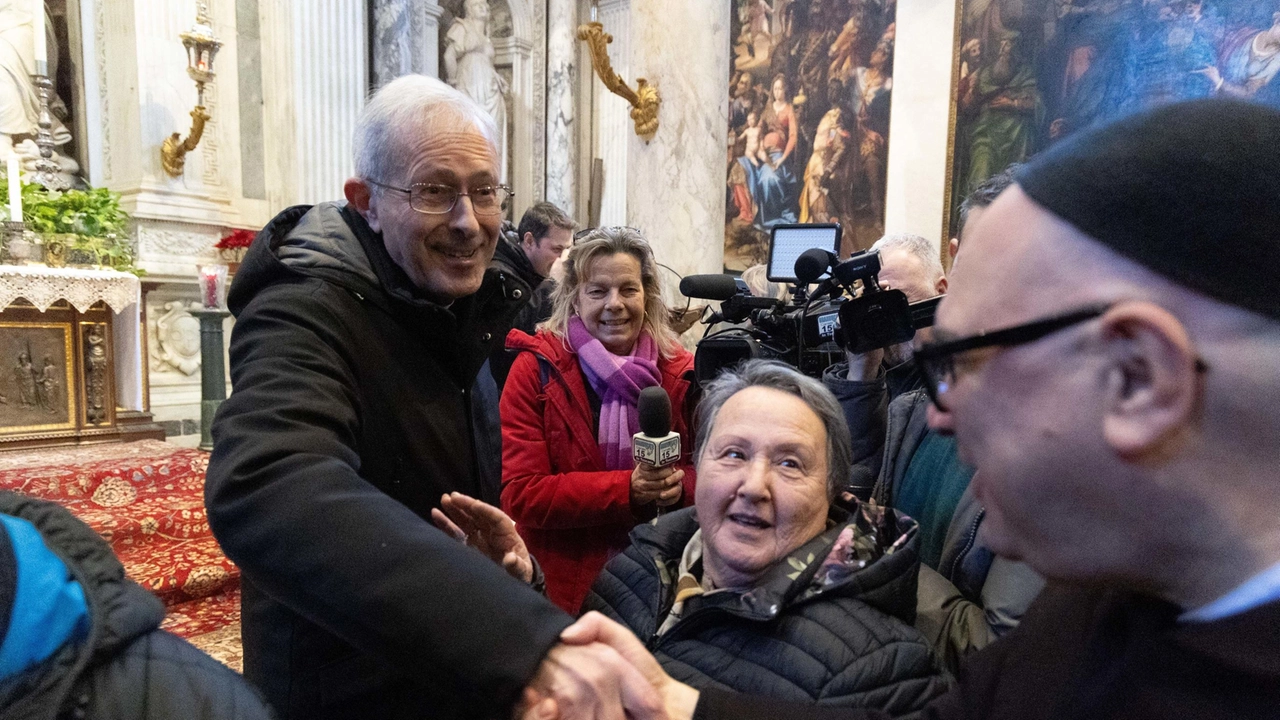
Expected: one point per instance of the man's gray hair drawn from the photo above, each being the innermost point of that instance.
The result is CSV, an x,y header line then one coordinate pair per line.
x,y
921,247
778,376
409,106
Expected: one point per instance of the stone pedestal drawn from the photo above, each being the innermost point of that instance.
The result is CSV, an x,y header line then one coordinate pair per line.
x,y
213,376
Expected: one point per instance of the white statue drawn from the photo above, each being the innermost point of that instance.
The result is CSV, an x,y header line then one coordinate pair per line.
x,y
468,65
19,103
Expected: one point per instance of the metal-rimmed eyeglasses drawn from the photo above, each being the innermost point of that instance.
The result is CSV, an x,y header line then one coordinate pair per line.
x,y
438,198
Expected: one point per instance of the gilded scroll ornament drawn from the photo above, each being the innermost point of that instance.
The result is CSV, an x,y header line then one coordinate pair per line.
x,y
644,99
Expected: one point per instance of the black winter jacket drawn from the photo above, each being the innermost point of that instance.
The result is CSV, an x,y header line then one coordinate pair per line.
x,y
128,669
830,624
350,417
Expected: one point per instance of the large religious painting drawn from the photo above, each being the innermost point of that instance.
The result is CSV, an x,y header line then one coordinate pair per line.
x,y
1031,72
809,91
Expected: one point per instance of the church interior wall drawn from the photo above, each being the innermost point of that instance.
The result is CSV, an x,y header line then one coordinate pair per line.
x,y
292,76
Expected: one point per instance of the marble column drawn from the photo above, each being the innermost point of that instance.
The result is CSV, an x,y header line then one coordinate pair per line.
x,y
613,115
675,182
562,147
406,39
330,81
393,40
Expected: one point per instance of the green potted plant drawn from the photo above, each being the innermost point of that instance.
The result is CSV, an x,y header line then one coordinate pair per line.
x,y
87,225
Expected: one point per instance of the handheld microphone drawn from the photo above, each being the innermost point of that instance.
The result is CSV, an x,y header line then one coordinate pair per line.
x,y
655,444
709,287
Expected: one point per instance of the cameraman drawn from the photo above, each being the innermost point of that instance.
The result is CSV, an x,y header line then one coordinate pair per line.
x,y
966,597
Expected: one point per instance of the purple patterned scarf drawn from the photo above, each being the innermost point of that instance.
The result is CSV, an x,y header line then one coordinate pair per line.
x,y
618,380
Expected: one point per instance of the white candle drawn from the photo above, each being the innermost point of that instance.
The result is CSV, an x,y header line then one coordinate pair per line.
x,y
15,189
42,52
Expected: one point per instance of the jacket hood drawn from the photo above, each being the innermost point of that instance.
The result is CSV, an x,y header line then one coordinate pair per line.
x,y
120,610
870,553
329,241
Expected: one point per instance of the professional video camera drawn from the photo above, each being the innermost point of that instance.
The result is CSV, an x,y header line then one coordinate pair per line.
x,y
848,310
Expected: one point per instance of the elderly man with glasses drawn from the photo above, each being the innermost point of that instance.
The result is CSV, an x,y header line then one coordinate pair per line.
x,y
359,329
1107,359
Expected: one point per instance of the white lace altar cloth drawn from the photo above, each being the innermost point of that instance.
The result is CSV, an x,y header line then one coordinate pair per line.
x,y
43,286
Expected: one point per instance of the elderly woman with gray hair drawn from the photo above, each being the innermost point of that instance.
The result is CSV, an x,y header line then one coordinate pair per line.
x,y
765,586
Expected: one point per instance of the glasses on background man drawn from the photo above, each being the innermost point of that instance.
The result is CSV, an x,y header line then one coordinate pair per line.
x,y
438,199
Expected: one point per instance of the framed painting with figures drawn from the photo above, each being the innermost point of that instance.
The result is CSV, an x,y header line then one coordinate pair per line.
x,y
1028,73
809,93
37,380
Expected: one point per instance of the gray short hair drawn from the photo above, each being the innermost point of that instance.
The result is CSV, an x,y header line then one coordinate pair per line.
x,y
923,248
778,376
411,105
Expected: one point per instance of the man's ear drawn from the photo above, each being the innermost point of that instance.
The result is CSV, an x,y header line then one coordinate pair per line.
x,y
940,287
1153,384
528,240
953,247
360,196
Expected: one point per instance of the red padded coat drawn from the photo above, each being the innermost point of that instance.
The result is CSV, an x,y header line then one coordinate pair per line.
x,y
573,513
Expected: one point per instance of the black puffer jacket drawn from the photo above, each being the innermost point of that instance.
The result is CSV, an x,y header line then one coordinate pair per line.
x,y
128,669
350,417
830,624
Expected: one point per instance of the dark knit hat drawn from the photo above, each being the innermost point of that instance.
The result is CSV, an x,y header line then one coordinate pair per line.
x,y
1190,190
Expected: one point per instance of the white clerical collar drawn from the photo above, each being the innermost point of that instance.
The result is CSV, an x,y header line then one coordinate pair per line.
x,y
1257,590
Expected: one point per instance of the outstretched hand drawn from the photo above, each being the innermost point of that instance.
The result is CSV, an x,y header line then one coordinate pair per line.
x,y
487,529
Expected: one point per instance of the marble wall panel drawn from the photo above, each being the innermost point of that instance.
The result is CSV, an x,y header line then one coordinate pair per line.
x,y
675,182
562,146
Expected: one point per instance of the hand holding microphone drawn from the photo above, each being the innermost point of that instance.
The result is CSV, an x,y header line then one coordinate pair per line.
x,y
655,449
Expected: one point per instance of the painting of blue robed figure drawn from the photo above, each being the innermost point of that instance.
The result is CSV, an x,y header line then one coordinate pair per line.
x,y
1031,72
809,92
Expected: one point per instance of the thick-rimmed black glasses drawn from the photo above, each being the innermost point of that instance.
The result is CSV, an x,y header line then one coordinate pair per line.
x,y
438,199
937,361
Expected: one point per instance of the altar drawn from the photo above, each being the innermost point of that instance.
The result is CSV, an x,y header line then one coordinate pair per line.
x,y
71,358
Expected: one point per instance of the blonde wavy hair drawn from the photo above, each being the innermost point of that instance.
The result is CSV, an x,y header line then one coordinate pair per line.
x,y
604,242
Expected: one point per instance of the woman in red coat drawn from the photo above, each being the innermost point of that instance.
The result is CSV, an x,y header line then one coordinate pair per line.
x,y
569,411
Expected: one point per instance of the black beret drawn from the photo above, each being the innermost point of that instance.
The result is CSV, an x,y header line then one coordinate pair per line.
x,y
1190,190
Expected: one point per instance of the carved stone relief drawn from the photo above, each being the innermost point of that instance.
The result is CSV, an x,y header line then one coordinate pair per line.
x,y
95,371
176,239
175,339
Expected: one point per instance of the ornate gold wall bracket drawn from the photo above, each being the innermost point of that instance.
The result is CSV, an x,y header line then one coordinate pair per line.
x,y
644,99
202,48
173,151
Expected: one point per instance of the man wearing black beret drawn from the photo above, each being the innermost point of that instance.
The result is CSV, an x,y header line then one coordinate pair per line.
x,y
1108,358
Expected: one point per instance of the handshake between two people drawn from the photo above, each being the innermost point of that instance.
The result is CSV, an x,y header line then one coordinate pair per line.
x,y
600,670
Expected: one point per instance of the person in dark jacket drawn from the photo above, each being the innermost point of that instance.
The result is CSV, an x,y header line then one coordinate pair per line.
x,y
360,329
967,597
569,412
770,588
528,253
79,639
1120,409
545,232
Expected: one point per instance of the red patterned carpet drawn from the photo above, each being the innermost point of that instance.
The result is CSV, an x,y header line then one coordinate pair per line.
x,y
146,498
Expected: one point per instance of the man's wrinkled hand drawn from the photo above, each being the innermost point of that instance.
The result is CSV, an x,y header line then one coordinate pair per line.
x,y
487,529
589,681
678,700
